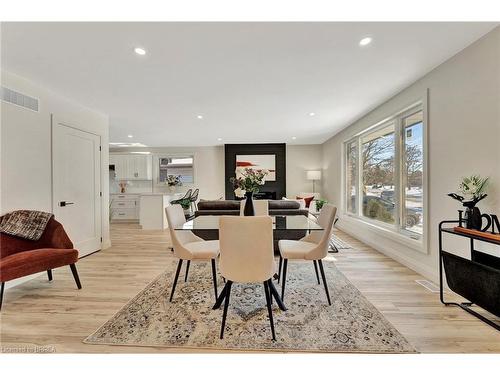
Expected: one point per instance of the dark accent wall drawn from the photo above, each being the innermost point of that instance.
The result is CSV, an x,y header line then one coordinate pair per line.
x,y
277,149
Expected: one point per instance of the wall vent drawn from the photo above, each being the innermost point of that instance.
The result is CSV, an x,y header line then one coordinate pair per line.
x,y
16,98
428,285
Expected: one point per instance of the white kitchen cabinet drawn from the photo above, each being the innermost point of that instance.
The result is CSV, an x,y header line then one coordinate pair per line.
x,y
132,166
124,207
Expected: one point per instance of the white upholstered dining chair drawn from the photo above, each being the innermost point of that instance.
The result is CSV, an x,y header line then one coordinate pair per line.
x,y
246,256
187,246
260,206
313,247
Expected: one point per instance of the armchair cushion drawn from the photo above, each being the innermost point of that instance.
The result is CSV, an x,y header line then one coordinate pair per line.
x,y
54,236
32,261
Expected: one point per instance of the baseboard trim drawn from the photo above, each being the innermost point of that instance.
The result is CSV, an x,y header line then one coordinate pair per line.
x,y
428,272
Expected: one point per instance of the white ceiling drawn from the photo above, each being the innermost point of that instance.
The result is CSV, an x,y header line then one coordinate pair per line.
x,y
252,82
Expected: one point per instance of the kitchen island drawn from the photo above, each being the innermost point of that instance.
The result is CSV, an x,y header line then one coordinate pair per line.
x,y
152,209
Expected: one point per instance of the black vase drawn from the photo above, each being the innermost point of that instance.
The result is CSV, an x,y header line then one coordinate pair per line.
x,y
473,218
248,210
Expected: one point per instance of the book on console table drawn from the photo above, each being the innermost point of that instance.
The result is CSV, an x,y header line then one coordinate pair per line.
x,y
478,233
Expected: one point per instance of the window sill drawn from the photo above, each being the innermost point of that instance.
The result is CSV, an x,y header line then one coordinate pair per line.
x,y
390,234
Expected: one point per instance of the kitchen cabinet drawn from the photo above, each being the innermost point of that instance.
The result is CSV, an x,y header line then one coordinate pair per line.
x,y
132,166
124,207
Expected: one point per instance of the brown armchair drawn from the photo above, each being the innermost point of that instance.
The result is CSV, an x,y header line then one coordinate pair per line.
x,y
20,257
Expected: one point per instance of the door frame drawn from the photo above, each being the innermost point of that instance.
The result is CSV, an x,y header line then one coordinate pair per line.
x,y
54,121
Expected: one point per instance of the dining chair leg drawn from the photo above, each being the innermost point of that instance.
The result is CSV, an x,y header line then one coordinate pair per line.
x,y
188,263
220,298
316,270
324,281
279,268
75,275
277,298
226,305
179,265
269,307
214,277
283,280
49,274
1,294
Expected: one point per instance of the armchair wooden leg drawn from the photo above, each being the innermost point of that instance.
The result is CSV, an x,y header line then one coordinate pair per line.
x,y
324,281
187,270
75,275
214,277
49,274
1,295
283,280
179,265
269,307
316,270
226,305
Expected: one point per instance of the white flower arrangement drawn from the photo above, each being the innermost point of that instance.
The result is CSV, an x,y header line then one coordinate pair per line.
x,y
473,187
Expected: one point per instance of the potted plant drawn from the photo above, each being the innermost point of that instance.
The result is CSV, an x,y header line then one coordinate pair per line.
x,y
320,203
173,181
246,183
186,206
473,191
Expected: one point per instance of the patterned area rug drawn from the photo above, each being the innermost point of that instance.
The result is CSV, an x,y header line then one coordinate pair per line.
x,y
351,324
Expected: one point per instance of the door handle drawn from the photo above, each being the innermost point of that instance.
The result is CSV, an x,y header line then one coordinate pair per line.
x,y
64,203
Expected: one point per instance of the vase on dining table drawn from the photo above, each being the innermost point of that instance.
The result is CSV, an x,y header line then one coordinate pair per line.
x,y
248,210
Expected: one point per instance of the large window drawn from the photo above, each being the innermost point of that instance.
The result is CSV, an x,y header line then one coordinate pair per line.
x,y
384,173
179,166
351,176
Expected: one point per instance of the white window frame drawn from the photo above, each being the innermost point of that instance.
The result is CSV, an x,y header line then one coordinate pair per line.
x,y
393,231
156,166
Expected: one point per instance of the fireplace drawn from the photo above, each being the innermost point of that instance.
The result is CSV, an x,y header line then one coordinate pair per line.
x,y
265,195
275,188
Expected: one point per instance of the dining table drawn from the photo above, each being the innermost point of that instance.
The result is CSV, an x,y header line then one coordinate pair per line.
x,y
290,226
288,223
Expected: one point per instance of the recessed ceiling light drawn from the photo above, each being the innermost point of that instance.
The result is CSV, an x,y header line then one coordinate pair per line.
x,y
130,136
365,41
312,114
294,138
199,117
140,51
219,139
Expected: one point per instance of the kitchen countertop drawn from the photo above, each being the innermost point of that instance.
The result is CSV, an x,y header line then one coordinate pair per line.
x,y
154,194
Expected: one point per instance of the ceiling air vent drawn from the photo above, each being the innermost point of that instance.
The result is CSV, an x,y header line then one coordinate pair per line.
x,y
16,98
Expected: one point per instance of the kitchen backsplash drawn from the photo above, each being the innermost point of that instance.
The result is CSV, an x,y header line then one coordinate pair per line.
x,y
132,187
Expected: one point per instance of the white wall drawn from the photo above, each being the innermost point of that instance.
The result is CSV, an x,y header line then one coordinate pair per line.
x,y
464,139
208,168
299,159
26,166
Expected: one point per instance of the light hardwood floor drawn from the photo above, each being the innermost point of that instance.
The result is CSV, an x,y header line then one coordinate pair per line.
x,y
56,315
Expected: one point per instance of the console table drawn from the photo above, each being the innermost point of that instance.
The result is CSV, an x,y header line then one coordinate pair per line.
x,y
477,279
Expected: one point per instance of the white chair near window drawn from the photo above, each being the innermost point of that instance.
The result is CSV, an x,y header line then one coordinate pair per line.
x,y
312,247
187,246
246,256
260,206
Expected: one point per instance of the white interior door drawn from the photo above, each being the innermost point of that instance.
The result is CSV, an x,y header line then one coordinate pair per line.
x,y
76,193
